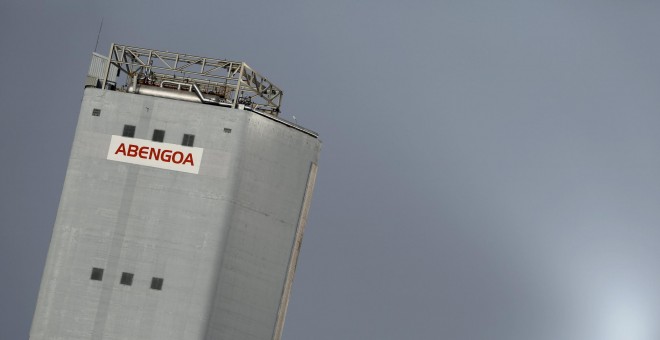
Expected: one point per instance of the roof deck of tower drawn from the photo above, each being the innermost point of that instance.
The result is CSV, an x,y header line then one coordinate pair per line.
x,y
185,77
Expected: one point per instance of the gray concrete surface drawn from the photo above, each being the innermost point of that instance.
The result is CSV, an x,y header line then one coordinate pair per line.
x,y
222,240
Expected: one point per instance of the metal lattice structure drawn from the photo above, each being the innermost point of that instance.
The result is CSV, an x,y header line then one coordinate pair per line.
x,y
215,81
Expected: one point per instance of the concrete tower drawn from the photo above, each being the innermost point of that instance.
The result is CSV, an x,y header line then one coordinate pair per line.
x,y
183,207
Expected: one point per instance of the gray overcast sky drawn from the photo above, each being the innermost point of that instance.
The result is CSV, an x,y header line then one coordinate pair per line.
x,y
490,169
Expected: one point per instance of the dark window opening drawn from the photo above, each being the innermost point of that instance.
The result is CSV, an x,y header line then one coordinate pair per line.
x,y
126,279
188,140
158,136
157,283
96,112
227,130
97,274
129,131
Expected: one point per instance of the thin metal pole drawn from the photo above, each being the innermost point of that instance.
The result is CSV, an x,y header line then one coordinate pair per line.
x,y
99,35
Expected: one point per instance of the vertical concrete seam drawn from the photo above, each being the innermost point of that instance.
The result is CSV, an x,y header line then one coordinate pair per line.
x,y
293,260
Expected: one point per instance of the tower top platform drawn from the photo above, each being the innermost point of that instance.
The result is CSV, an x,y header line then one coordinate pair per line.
x,y
185,77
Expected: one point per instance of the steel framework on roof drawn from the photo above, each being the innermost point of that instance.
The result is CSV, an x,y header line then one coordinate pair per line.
x,y
238,83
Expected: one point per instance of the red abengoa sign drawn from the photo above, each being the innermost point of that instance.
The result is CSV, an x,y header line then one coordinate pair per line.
x,y
148,152
158,155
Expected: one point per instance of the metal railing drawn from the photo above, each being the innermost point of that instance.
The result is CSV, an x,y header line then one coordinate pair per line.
x,y
234,82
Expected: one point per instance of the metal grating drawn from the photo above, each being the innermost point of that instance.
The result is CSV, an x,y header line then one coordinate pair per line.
x,y
129,131
158,136
188,140
126,279
156,283
97,274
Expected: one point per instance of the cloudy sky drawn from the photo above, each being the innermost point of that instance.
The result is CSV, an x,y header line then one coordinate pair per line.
x,y
490,169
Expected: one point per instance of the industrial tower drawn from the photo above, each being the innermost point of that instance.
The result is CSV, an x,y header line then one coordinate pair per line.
x,y
183,207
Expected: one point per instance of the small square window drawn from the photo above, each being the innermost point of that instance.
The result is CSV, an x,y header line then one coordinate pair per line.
x,y
96,112
158,136
97,274
157,283
227,130
188,140
129,131
126,279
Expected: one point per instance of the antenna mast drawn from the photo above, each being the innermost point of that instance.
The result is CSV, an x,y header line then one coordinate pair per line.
x,y
99,35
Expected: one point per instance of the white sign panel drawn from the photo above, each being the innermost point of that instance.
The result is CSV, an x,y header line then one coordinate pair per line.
x,y
158,155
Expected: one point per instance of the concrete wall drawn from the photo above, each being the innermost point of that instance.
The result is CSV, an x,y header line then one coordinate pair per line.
x,y
222,240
